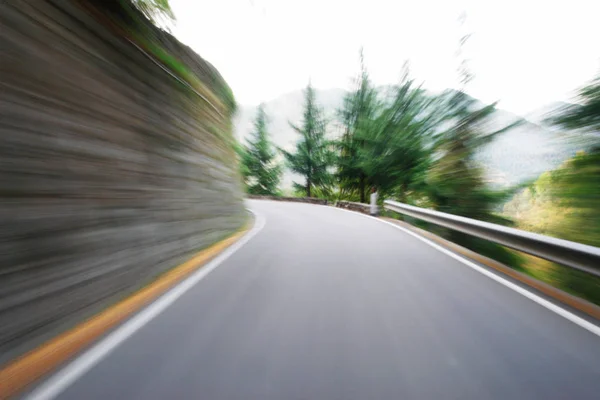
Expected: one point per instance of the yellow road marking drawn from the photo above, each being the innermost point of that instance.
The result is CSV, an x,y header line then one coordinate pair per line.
x,y
23,371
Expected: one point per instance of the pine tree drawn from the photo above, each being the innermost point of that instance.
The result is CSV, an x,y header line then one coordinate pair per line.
x,y
394,138
383,145
313,156
586,115
261,172
357,110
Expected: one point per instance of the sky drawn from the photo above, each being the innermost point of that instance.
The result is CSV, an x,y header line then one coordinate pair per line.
x,y
524,53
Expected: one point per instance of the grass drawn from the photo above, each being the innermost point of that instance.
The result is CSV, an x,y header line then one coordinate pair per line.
x,y
577,283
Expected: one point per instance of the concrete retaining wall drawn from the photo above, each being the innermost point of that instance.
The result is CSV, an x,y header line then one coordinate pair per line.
x,y
349,205
111,170
311,200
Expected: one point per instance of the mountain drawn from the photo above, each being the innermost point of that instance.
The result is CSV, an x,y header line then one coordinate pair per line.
x,y
514,157
540,115
525,152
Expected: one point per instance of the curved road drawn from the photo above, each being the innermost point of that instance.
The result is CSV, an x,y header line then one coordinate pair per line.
x,y
327,304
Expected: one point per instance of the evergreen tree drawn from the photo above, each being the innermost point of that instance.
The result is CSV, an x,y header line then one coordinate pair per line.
x,y
384,140
260,171
586,115
456,182
313,156
357,110
395,137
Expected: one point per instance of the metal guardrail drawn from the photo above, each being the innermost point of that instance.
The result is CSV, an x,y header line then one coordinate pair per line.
x,y
576,255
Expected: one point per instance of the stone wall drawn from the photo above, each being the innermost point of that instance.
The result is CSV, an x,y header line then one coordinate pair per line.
x,y
112,171
311,200
350,205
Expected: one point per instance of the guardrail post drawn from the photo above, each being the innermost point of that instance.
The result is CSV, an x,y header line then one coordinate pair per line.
x,y
374,203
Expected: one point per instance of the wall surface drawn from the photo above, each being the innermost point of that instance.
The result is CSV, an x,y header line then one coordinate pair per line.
x,y
350,205
312,200
111,170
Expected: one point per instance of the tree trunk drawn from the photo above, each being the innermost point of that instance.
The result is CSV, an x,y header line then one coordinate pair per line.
x,y
402,193
308,187
361,188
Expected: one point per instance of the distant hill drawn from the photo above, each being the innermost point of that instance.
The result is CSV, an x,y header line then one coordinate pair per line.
x,y
540,115
516,156
287,107
526,151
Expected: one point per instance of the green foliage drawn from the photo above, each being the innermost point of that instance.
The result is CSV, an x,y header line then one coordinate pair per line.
x,y
576,185
395,150
240,152
155,9
314,156
384,145
564,203
534,209
585,115
419,148
258,167
169,61
355,115
454,183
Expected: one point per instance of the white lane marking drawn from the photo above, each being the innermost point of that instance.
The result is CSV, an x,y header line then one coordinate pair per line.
x,y
532,296
82,364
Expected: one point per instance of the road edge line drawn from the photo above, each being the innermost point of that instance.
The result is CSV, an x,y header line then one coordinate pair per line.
x,y
579,304
590,327
152,299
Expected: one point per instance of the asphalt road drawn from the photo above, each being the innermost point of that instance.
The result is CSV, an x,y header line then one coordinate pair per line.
x,y
326,304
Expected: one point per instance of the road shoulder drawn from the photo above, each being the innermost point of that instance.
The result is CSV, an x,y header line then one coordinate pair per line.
x,y
17,375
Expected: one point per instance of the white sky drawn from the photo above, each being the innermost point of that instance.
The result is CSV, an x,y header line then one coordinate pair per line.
x,y
524,53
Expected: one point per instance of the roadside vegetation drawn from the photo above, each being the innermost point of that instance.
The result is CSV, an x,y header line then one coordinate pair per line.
x,y
259,168
565,202
419,148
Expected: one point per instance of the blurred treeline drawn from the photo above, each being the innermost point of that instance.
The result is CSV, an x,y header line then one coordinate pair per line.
x,y
419,148
403,143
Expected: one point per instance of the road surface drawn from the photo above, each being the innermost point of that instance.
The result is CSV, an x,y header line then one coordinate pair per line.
x,y
327,304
